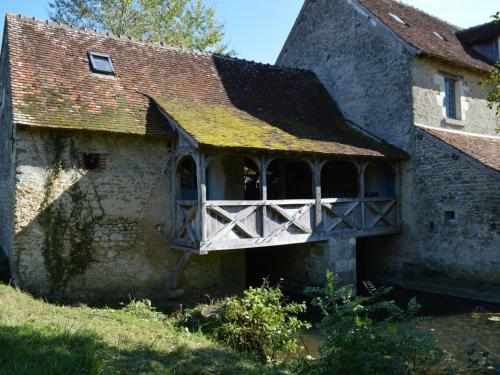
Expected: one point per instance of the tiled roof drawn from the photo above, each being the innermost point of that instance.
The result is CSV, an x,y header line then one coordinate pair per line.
x,y
484,149
419,30
220,101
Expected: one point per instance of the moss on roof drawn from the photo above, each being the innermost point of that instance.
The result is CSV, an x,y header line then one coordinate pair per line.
x,y
221,126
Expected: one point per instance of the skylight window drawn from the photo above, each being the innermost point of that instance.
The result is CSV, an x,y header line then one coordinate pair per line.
x,y
101,63
439,35
397,18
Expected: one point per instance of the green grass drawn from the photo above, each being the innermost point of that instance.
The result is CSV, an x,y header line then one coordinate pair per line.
x,y
41,338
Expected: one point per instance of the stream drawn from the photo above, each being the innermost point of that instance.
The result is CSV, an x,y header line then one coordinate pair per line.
x,y
464,329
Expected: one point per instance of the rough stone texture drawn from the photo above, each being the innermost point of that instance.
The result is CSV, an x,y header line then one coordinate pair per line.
x,y
7,135
361,63
433,254
307,264
131,243
428,94
380,85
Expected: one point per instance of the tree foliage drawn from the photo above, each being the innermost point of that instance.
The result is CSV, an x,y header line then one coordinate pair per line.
x,y
183,23
492,83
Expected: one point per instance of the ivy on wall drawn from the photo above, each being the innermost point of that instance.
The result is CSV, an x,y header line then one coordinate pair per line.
x,y
68,221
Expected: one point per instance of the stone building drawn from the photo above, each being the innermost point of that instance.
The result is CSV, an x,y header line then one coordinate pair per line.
x,y
136,169
413,80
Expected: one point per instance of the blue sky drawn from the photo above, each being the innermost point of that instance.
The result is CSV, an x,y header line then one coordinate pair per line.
x,y
257,29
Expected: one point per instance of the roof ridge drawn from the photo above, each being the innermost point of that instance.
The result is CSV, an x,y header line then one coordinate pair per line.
x,y
476,26
400,2
126,38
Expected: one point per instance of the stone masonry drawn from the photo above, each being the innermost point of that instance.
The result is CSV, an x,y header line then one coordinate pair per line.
x,y
450,202
130,248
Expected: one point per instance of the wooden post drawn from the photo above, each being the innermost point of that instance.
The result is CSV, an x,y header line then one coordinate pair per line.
x,y
397,195
202,195
361,176
317,166
264,162
173,193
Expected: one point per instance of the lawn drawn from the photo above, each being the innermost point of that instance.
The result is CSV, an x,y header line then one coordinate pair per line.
x,y
41,338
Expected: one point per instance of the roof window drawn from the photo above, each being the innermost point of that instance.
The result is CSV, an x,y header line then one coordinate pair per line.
x,y
397,18
101,63
440,36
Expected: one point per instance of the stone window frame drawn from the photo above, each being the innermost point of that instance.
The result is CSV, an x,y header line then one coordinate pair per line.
x,y
460,102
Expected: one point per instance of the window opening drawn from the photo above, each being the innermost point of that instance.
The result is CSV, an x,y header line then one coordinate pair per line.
x,y
339,179
101,63
187,179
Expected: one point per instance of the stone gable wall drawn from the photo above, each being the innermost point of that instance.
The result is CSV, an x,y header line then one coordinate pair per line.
x,y
131,199
361,63
428,95
433,253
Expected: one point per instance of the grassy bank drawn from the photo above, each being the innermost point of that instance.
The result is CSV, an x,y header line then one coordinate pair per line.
x,y
41,338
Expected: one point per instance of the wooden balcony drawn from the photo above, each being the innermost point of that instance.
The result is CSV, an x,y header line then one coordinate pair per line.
x,y
227,224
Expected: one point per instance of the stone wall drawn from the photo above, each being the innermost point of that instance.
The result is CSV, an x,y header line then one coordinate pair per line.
x,y
123,211
428,95
435,252
306,264
361,63
7,135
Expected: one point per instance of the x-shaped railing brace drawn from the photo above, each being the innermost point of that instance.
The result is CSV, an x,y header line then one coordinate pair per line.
x,y
187,219
381,213
341,217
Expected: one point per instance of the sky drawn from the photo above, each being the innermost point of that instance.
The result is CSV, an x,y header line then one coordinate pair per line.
x,y
257,29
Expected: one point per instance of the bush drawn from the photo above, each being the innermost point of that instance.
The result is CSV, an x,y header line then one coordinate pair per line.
x,y
144,310
368,335
260,322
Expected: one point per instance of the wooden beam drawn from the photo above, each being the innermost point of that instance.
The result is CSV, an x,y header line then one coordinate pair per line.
x,y
318,210
264,163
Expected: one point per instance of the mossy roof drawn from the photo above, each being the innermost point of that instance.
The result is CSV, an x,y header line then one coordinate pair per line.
x,y
219,101
220,126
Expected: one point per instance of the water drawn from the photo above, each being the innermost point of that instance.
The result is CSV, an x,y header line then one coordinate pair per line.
x,y
463,328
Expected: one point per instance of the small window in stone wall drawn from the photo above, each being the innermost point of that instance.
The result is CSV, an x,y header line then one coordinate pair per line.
x,y
450,217
93,161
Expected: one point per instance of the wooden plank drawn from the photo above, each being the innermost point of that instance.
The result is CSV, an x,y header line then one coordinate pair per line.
x,y
381,213
245,243
292,220
342,216
226,229
318,212
237,219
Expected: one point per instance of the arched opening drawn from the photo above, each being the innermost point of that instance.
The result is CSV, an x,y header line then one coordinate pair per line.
x,y
380,180
339,179
289,179
232,177
187,180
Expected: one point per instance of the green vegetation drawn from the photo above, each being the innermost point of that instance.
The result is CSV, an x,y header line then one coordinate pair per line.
x,y
184,23
492,83
369,335
260,323
41,338
68,224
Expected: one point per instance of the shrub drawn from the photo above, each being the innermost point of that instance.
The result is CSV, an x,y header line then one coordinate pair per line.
x,y
368,335
143,309
260,322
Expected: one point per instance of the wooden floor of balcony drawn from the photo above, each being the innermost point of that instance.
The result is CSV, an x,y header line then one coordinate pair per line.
x,y
225,225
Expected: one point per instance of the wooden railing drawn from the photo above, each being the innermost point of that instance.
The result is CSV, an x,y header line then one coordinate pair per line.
x,y
243,224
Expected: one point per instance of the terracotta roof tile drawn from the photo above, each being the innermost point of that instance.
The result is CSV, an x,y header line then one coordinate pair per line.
x,y
221,102
419,31
484,149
